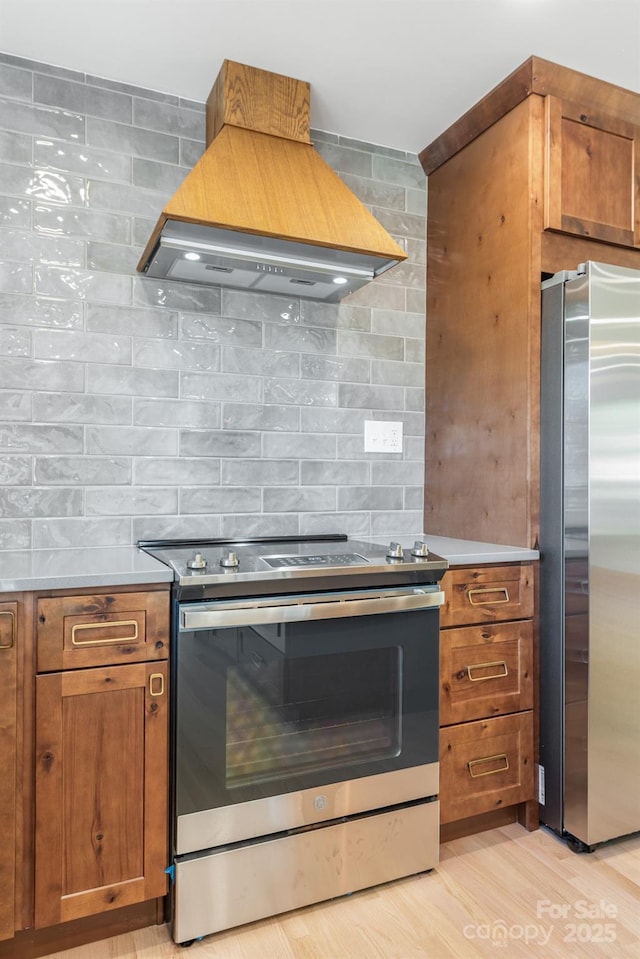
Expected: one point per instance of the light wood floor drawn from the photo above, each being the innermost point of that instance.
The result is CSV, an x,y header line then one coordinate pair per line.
x,y
503,894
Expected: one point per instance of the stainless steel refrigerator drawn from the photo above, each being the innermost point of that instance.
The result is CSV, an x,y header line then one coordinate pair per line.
x,y
590,554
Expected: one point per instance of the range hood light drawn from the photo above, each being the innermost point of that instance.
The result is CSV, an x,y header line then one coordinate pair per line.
x,y
340,280
192,256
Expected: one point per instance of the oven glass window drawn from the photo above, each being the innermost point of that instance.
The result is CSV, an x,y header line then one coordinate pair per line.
x,y
292,715
271,708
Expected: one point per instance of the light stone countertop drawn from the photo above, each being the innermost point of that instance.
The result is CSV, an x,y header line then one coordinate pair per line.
x,y
108,566
466,552
97,566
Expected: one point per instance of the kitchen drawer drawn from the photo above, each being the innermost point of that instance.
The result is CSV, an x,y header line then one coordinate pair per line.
x,y
487,594
485,671
485,765
100,629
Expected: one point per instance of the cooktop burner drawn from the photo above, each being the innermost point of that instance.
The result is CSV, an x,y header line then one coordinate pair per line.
x,y
222,567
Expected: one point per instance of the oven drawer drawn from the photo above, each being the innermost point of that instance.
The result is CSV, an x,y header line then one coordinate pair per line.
x,y
101,629
485,671
238,884
487,594
485,765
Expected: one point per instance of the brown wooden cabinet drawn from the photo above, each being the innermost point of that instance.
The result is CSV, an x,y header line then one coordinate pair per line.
x,y
541,175
592,173
11,638
487,718
101,752
101,789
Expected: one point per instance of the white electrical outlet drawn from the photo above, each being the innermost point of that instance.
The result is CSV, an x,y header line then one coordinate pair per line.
x,y
382,436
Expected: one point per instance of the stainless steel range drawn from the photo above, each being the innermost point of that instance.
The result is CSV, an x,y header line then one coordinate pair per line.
x,y
305,722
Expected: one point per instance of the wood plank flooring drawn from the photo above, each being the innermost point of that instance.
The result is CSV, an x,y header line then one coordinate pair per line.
x,y
504,894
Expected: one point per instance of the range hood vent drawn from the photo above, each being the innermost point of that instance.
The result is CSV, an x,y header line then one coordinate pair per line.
x,y
261,210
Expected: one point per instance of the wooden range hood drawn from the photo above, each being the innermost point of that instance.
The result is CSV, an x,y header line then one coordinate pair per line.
x,y
261,210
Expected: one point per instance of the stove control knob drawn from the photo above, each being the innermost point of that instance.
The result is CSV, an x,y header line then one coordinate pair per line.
x,y
420,548
395,551
197,562
230,559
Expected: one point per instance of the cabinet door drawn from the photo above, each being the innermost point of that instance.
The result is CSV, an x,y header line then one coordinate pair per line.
x,y
101,789
8,765
592,174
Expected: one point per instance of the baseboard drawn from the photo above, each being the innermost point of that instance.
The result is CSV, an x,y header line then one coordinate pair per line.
x,y
33,943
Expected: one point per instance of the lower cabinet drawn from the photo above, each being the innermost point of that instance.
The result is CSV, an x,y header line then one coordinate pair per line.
x,y
9,624
487,716
101,789
486,765
101,752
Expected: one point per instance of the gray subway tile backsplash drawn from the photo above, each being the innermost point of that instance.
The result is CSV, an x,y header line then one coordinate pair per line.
x,y
82,284
16,147
79,531
27,502
81,470
130,441
16,277
15,406
88,224
28,374
15,341
82,98
27,247
132,141
138,408
14,212
42,120
41,311
84,160
15,471
16,83
81,408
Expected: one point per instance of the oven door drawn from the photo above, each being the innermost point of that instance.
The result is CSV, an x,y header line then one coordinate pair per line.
x,y
294,710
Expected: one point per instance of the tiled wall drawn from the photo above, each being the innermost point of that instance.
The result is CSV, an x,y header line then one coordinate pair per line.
x,y
135,408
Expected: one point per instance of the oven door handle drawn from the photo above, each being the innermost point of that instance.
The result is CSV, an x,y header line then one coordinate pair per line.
x,y
198,616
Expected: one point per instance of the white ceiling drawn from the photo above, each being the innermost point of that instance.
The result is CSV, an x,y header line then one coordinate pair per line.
x,y
391,72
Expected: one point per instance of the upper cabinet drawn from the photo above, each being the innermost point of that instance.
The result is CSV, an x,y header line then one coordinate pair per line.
x,y
539,176
592,173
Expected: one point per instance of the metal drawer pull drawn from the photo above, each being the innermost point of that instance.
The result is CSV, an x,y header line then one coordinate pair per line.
x,y
499,664
99,642
489,759
483,592
156,684
12,628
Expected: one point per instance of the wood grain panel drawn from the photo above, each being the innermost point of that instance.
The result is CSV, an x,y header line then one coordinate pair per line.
x,y
485,765
254,169
482,339
487,594
591,173
258,100
101,790
485,671
534,76
560,251
76,631
9,638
